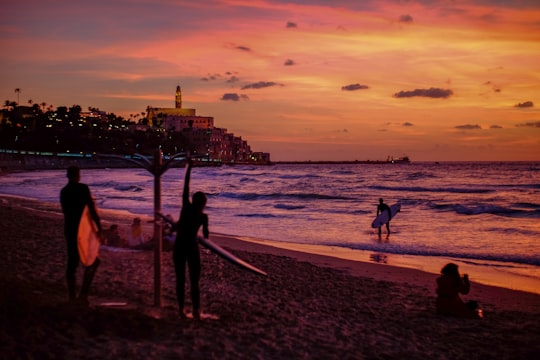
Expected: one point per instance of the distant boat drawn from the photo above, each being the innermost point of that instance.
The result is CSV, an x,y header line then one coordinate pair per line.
x,y
400,160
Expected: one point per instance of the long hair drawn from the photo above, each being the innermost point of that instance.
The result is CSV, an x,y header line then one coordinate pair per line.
x,y
451,270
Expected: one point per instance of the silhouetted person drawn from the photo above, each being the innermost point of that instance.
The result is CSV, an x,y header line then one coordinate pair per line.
x,y
73,198
186,248
449,285
383,207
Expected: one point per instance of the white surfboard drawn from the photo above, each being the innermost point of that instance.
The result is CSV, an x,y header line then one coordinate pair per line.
x,y
218,250
383,217
87,238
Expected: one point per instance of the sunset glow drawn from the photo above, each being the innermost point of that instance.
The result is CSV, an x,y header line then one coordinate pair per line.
x,y
316,80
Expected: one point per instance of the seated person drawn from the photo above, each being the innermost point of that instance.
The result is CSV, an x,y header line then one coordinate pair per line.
x,y
112,237
449,285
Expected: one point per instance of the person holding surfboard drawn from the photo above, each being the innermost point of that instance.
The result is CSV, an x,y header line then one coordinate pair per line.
x,y
74,198
380,209
186,247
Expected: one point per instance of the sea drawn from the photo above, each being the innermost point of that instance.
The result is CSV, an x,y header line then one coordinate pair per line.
x,y
484,216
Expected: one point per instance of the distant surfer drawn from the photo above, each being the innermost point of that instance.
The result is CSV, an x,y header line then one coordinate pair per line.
x,y
380,209
186,248
73,198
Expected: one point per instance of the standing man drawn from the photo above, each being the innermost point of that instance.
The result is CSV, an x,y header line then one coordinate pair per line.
x,y
73,198
383,207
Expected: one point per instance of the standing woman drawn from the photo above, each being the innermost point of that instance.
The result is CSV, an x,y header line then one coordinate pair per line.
x,y
186,248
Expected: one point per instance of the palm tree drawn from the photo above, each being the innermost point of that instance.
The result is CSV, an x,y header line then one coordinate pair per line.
x,y
18,91
10,104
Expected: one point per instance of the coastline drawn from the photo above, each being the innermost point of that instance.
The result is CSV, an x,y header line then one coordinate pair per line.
x,y
506,275
310,306
483,274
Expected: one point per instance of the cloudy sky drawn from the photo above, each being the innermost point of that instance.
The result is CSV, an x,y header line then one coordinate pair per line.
x,y
304,79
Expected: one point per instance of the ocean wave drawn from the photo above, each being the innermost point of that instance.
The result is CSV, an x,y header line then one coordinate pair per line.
x,y
248,179
421,189
488,209
401,250
516,231
342,172
298,176
103,184
129,188
420,175
240,174
289,207
527,205
303,196
259,215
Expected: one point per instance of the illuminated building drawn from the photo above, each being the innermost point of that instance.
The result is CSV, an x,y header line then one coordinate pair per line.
x,y
202,138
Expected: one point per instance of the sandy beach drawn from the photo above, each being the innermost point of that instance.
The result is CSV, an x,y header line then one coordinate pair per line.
x,y
309,307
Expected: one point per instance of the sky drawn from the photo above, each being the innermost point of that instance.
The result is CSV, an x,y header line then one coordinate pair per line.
x,y
303,80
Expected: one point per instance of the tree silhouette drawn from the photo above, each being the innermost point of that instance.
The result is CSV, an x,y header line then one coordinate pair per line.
x,y
18,92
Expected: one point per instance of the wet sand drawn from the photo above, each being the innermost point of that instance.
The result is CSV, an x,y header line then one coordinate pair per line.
x,y
309,307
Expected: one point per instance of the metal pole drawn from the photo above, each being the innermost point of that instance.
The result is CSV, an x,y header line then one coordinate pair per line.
x,y
156,168
158,245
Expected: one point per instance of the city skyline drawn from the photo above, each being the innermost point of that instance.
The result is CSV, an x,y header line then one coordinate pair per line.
x,y
302,80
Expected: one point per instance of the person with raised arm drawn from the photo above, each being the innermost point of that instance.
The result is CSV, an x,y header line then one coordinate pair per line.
x,y
186,248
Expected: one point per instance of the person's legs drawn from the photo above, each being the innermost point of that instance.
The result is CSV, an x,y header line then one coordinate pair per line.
x,y
89,273
180,271
71,269
194,263
388,227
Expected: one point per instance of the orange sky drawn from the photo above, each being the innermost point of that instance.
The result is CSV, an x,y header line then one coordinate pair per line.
x,y
437,80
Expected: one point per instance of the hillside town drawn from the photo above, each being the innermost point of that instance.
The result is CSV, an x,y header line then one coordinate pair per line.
x,y
37,133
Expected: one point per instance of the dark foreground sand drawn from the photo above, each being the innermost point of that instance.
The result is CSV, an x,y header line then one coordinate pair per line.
x,y
310,306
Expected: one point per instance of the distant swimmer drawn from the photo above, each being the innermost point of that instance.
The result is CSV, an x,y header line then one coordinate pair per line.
x,y
380,209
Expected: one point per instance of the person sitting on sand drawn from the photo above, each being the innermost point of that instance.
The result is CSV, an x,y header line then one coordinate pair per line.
x,y
383,207
73,198
112,237
449,285
186,247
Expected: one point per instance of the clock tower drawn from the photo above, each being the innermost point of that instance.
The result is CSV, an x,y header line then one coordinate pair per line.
x,y
178,98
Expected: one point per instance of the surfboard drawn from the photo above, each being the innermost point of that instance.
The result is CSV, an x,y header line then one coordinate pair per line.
x,y
88,240
215,248
218,250
383,217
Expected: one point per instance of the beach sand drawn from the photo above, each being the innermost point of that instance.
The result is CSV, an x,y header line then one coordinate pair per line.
x,y
309,307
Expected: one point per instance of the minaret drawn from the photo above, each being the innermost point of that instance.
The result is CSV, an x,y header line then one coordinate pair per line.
x,y
178,97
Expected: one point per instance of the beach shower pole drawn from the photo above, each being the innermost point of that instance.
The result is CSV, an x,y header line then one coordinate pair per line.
x,y
158,235
157,168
